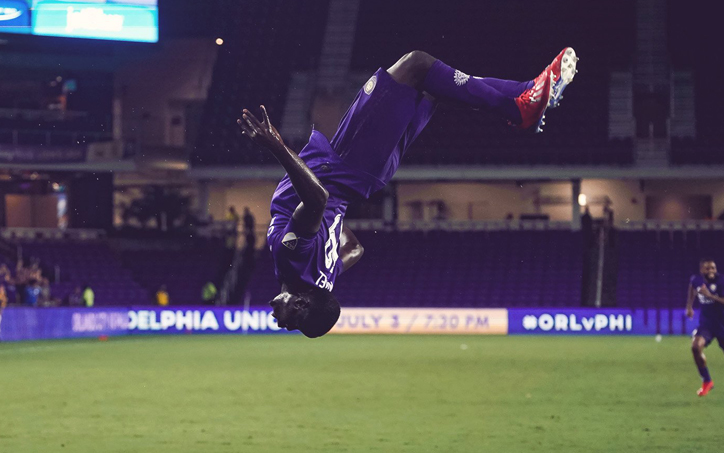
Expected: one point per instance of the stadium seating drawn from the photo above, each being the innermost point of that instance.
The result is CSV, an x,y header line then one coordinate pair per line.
x,y
654,267
255,68
454,269
691,47
89,263
704,151
131,277
184,272
244,76
578,131
82,131
11,266
428,269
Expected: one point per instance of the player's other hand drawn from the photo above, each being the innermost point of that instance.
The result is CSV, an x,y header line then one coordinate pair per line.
x,y
263,133
689,312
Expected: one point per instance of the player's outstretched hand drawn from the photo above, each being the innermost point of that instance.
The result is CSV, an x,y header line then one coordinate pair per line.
x,y
262,133
689,312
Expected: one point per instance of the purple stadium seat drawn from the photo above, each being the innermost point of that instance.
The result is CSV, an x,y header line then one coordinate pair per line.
x,y
654,267
453,269
88,263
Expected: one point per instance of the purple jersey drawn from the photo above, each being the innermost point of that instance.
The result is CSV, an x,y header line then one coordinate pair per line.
x,y
313,259
709,308
380,125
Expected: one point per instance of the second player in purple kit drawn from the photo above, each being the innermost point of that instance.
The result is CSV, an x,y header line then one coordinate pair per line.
x,y
309,243
708,288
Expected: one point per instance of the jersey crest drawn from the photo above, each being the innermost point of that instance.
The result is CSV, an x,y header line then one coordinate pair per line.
x,y
290,241
370,85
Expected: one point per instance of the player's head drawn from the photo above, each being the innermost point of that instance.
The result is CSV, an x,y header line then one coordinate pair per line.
x,y
707,267
314,312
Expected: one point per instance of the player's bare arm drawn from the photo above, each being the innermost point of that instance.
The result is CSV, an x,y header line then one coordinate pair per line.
x,y
691,295
350,249
308,215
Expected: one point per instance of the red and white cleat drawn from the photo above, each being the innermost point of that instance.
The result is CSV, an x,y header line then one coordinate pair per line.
x,y
563,69
706,387
533,102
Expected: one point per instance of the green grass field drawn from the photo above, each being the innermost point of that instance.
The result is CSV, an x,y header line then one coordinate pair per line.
x,y
357,394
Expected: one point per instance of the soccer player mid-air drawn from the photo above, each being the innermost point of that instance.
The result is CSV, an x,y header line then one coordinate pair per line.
x,y
309,244
708,287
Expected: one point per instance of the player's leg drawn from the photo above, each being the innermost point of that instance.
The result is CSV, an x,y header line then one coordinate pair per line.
x,y
522,103
698,344
424,72
413,67
511,88
375,129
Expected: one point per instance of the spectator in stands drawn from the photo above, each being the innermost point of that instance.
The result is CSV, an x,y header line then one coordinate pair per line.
x,y
3,301
21,280
89,297
24,275
608,222
249,233
5,275
162,296
607,214
7,282
232,217
248,220
3,298
126,214
34,271
587,227
75,299
208,293
32,293
44,298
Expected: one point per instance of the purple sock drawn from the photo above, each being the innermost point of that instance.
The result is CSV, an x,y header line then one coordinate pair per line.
x,y
704,372
446,83
510,88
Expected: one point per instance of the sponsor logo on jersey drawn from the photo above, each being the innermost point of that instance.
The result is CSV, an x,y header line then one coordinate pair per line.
x,y
290,241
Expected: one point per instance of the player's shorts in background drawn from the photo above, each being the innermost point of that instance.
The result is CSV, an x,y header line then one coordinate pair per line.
x,y
380,125
709,332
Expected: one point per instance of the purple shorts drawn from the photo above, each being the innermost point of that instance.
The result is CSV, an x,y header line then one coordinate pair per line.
x,y
379,127
710,331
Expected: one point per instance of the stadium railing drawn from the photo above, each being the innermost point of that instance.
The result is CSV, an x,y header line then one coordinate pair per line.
x,y
77,234
460,225
671,225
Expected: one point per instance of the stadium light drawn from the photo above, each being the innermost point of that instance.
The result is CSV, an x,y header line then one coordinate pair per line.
x,y
582,200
